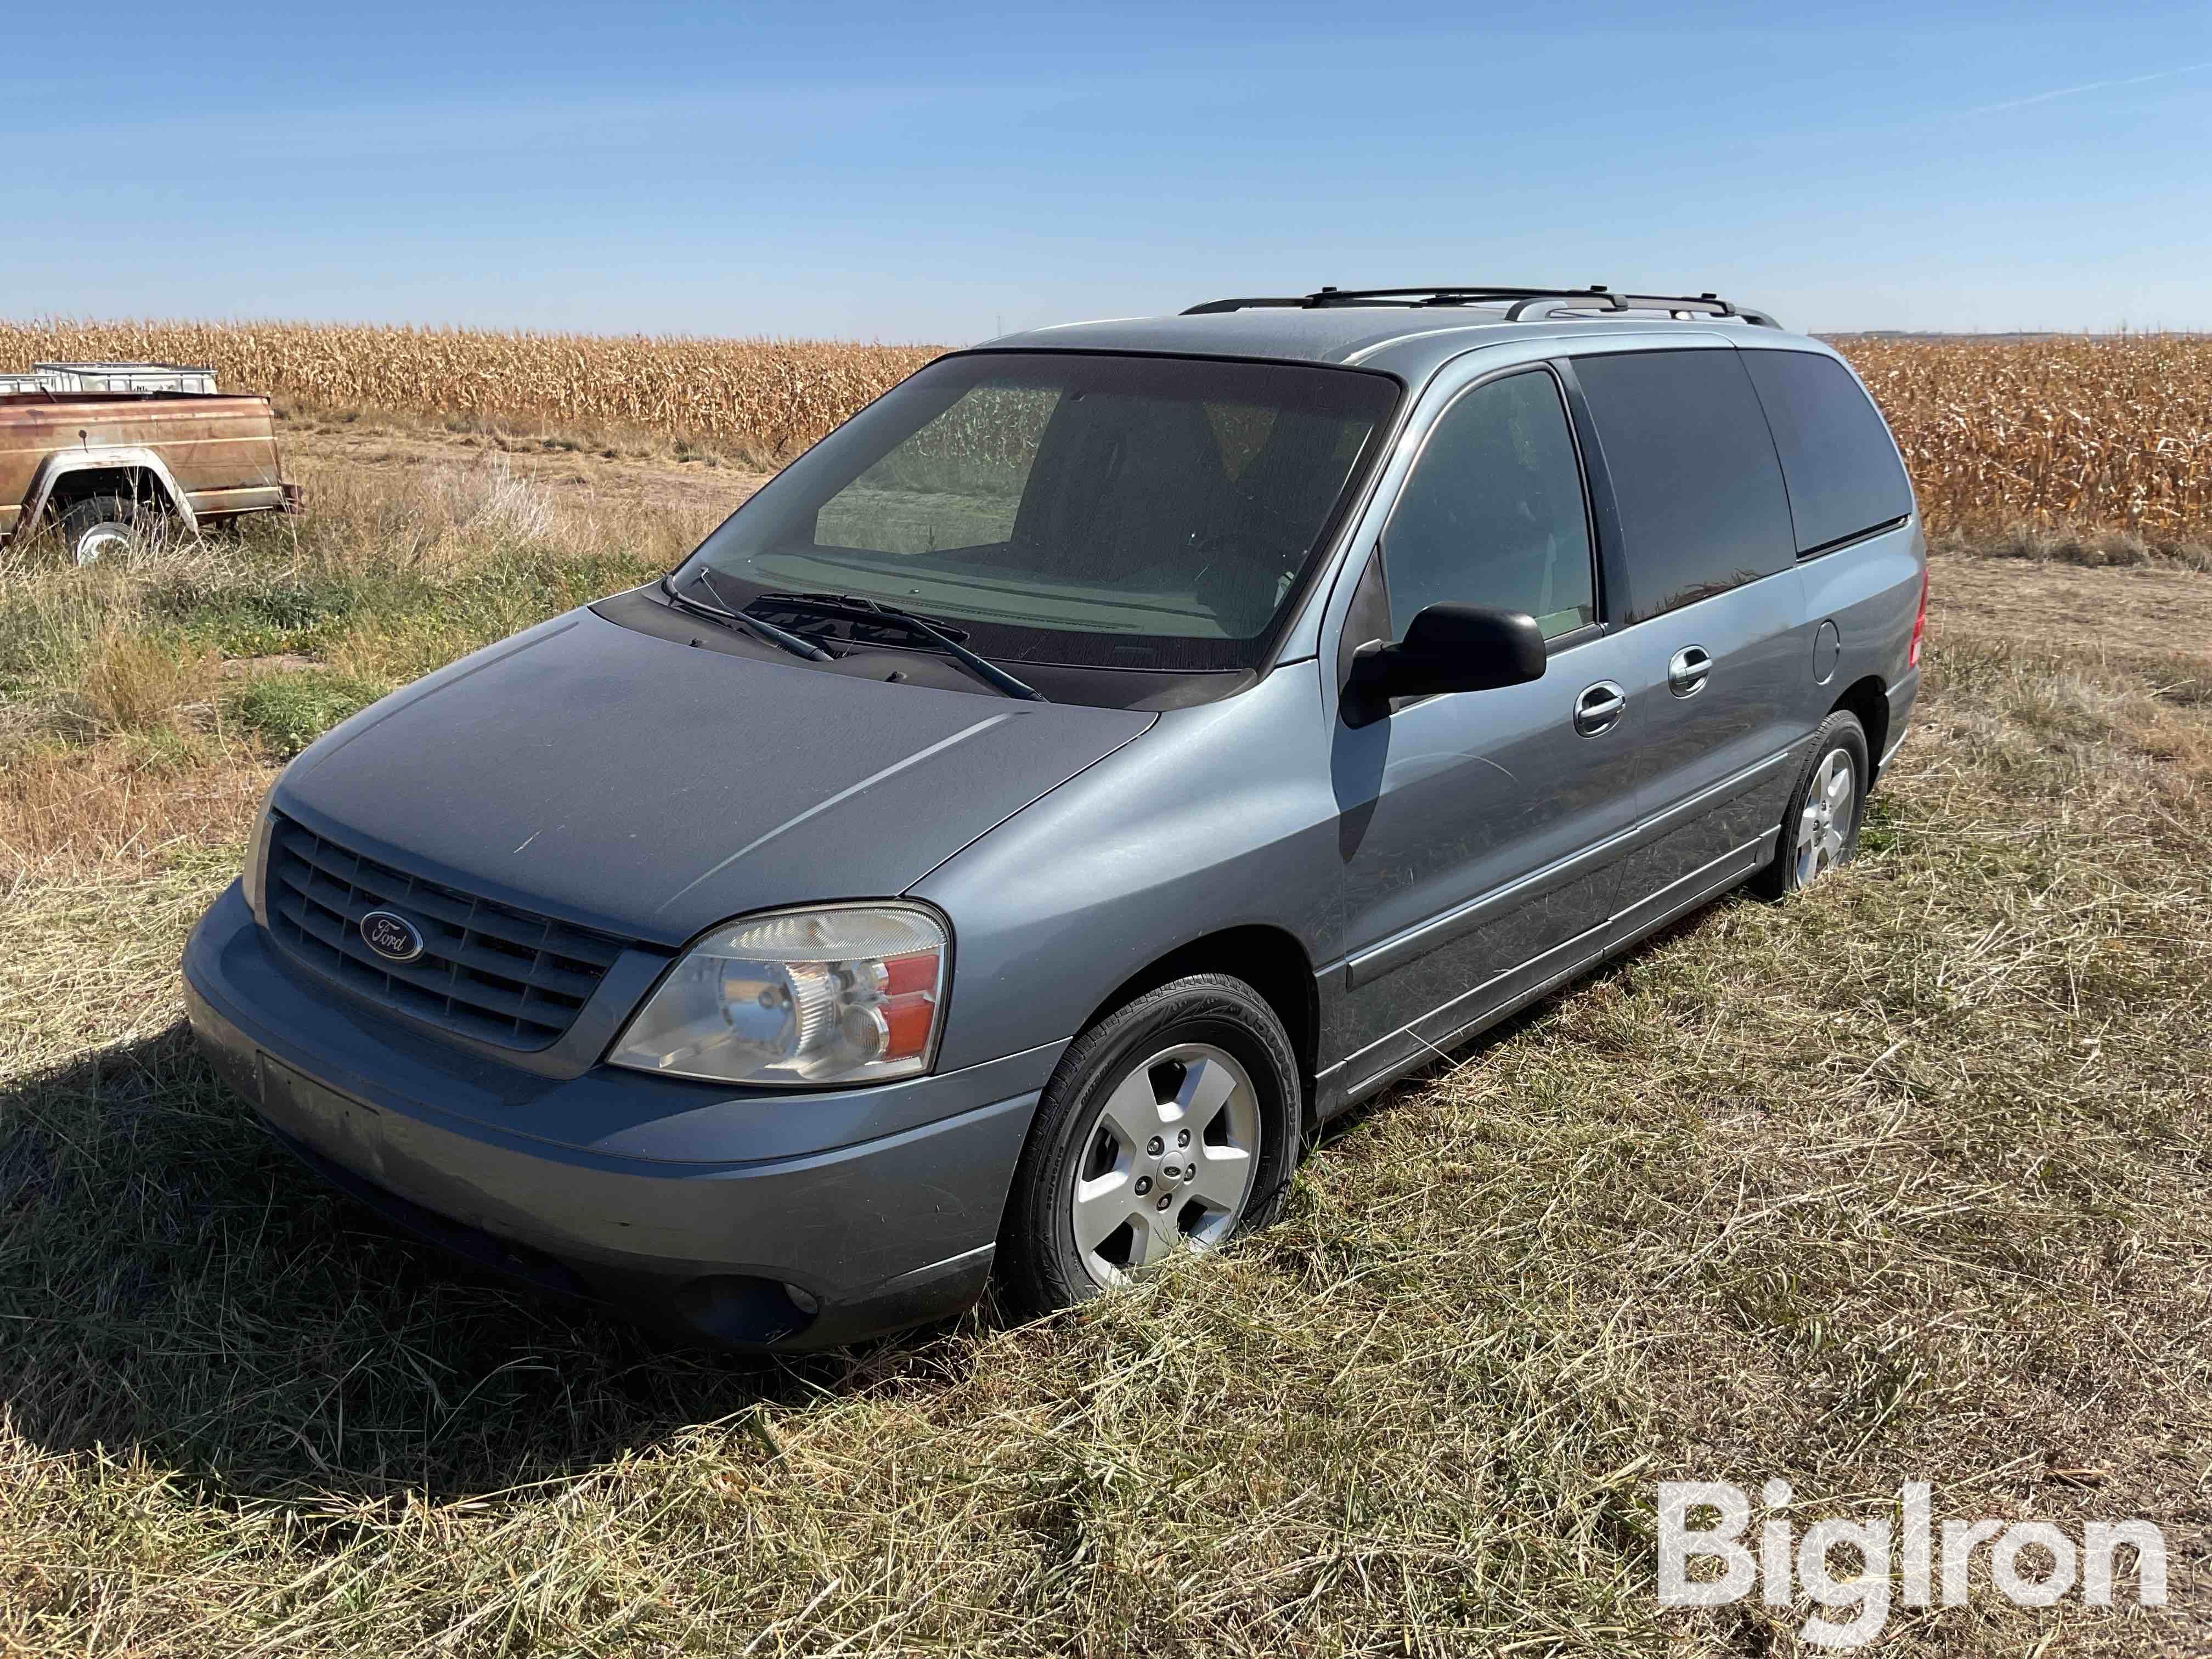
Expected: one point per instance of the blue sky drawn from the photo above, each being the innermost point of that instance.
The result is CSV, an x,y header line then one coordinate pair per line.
x,y
904,173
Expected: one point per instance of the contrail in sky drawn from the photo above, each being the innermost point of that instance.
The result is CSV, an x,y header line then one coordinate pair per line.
x,y
2088,86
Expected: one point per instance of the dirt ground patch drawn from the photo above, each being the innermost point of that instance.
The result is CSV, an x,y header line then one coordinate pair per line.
x,y
2136,614
565,466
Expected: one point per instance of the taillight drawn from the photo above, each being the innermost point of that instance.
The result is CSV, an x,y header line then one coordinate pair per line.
x,y
1919,626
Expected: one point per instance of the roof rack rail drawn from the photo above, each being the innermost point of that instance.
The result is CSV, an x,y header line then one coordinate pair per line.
x,y
1523,304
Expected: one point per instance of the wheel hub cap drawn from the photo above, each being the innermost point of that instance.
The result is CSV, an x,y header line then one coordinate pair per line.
x,y
1168,1162
101,539
1829,804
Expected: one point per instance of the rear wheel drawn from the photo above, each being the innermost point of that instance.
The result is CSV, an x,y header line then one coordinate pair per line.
x,y
1169,1126
1821,826
105,526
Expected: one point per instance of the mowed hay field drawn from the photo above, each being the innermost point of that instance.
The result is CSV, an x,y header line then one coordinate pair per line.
x,y
2109,434
1904,1180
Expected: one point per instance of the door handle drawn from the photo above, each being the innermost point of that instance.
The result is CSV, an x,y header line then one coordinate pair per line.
x,y
1687,671
1599,709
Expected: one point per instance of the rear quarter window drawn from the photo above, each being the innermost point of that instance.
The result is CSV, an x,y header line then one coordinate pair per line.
x,y
1694,475
1843,471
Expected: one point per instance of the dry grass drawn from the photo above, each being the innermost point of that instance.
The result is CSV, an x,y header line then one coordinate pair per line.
x,y
133,683
145,700
120,807
1903,1180
2093,548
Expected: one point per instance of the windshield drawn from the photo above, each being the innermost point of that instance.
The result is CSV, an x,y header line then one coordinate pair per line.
x,y
1062,508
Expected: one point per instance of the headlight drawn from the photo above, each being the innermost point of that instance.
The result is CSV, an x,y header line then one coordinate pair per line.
x,y
848,995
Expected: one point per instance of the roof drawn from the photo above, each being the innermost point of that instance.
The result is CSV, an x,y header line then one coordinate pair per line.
x,y
1408,341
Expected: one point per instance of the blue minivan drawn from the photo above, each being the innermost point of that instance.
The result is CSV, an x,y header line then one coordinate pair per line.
x,y
1111,753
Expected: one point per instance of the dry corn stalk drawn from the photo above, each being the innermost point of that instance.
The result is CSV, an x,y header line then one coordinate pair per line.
x,y
2086,431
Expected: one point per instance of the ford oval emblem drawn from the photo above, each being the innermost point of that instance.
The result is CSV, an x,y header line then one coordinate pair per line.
x,y
391,936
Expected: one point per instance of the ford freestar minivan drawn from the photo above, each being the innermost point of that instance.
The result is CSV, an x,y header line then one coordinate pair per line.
x,y
1112,752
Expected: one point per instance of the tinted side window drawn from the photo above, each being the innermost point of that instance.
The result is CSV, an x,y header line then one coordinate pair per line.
x,y
1842,468
1493,514
1700,495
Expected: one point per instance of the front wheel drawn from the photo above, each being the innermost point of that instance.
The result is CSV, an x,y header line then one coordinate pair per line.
x,y
1821,826
1169,1126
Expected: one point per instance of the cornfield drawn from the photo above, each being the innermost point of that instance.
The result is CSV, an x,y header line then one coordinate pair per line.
x,y
772,396
2083,432
2070,431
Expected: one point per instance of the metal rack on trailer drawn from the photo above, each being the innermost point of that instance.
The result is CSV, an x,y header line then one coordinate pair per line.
x,y
64,379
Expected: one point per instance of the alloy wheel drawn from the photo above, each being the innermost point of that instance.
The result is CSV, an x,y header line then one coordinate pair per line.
x,y
1829,800
1168,1162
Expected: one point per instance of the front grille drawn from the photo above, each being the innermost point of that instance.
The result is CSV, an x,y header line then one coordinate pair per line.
x,y
487,970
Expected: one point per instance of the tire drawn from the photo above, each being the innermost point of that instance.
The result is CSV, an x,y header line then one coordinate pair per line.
x,y
1204,1057
1820,825
102,525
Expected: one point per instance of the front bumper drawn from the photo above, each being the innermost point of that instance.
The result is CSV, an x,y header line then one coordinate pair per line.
x,y
680,1204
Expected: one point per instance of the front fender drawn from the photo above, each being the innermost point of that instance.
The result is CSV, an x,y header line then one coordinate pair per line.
x,y
1220,817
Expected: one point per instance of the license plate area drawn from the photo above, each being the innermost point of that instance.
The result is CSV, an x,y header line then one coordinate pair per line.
x,y
339,1128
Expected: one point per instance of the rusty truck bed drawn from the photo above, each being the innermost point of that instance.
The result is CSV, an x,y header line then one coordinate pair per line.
x,y
199,457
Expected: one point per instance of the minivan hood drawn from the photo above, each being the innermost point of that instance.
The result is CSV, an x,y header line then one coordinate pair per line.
x,y
648,789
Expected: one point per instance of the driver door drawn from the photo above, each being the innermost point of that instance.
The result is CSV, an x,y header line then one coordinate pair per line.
x,y
1477,828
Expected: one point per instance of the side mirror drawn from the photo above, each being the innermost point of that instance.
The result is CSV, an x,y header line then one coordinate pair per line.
x,y
1447,647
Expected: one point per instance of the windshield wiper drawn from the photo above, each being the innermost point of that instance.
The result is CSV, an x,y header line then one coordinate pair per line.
x,y
856,605
753,625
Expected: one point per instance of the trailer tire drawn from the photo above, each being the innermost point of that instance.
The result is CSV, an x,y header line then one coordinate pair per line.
x,y
104,525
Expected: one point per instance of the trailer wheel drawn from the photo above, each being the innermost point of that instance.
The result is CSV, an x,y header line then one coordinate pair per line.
x,y
100,525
